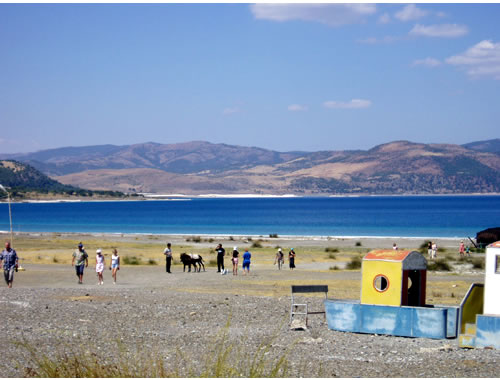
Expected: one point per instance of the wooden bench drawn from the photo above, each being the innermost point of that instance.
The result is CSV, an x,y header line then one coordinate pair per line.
x,y
306,289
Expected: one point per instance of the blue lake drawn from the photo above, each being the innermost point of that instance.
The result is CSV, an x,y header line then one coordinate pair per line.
x,y
411,216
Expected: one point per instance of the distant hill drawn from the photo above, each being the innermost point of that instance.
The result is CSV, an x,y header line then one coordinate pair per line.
x,y
399,167
22,178
190,157
491,146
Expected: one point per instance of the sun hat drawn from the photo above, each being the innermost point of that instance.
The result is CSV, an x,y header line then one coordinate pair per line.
x,y
279,249
80,245
235,248
98,251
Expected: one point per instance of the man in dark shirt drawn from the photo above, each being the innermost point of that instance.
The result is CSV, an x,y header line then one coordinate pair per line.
x,y
220,258
9,259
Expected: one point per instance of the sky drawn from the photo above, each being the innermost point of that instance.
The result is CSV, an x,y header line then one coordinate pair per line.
x,y
285,77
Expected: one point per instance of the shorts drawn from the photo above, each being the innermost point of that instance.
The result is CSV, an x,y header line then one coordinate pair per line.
x,y
9,275
113,266
246,264
235,260
79,269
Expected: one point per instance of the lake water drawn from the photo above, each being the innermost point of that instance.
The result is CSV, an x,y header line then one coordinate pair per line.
x,y
391,216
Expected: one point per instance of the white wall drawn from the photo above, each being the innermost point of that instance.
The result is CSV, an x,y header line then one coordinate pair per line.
x,y
492,281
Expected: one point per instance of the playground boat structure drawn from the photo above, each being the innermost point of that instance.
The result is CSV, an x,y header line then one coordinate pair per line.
x,y
393,290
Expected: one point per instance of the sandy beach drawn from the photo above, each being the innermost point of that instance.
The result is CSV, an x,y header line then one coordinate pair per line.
x,y
152,312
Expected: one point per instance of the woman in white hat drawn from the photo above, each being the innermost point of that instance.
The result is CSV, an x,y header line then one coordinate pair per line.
x,y
99,266
235,261
279,258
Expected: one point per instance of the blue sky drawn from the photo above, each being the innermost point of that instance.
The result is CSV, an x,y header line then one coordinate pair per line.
x,y
283,77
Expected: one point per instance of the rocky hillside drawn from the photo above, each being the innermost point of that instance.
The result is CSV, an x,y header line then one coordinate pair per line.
x,y
21,179
399,167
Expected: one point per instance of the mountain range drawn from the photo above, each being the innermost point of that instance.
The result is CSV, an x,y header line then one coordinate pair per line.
x,y
399,167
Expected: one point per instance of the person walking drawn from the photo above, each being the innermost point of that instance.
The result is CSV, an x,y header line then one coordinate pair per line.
x,y
235,261
429,249
461,250
246,262
115,264
10,263
434,250
99,266
291,259
168,255
279,258
80,261
221,252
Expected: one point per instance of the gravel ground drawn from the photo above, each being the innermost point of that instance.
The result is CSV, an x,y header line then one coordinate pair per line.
x,y
150,311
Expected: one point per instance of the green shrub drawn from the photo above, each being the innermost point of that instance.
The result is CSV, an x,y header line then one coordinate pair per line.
x,y
152,262
439,265
332,256
273,235
334,268
355,263
55,259
131,260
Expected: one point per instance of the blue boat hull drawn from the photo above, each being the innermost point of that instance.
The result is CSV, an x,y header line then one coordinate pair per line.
x,y
424,322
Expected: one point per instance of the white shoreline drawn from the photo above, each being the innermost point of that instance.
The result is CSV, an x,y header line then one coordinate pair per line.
x,y
241,236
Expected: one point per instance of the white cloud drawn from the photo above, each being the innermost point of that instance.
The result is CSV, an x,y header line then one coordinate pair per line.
x,y
409,13
297,107
354,103
384,19
230,110
427,62
439,30
480,60
330,14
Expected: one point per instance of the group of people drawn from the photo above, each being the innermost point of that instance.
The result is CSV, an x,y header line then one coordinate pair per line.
x,y
81,261
221,252
280,259
432,249
463,250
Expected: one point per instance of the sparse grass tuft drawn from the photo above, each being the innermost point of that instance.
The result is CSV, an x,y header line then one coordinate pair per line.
x,y
335,267
212,263
55,260
257,244
332,256
439,265
131,260
330,249
355,263
224,359
478,263
152,262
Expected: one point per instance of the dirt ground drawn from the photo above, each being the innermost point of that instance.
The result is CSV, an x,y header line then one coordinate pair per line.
x,y
150,310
